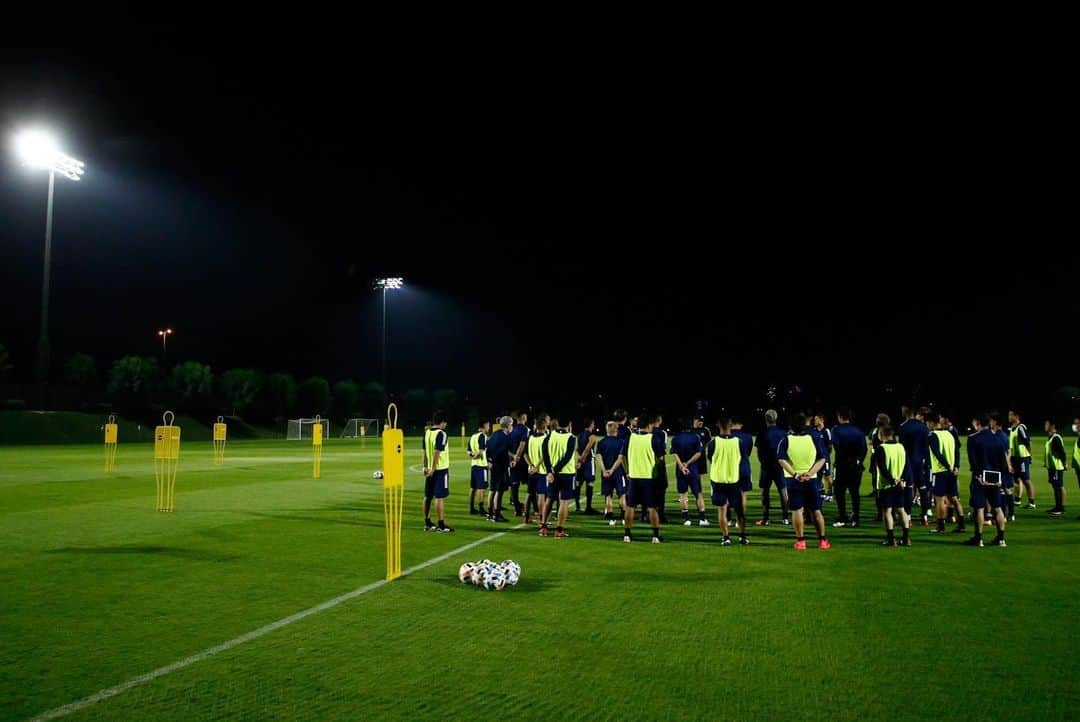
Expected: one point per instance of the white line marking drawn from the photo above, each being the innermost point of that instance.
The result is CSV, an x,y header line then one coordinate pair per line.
x,y
254,634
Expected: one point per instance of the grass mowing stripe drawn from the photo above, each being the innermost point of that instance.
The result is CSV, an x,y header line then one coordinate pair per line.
x,y
108,692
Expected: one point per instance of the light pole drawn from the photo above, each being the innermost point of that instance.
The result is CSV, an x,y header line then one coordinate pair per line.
x,y
164,333
38,149
386,284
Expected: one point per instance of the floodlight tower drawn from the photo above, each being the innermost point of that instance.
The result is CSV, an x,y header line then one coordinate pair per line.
x,y
386,284
38,149
164,333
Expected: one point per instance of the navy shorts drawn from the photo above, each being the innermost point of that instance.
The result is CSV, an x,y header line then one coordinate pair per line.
x,y
519,473
827,469
803,494
1022,466
983,495
725,494
896,497
565,484
691,481
586,474
437,486
945,483
547,488
1056,477
640,491
479,478
615,483
537,483
770,474
500,477
746,483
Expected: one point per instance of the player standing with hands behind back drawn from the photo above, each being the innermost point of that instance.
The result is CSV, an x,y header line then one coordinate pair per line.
x,y
436,473
801,457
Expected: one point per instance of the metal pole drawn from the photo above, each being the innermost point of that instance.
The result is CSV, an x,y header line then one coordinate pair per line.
x,y
43,338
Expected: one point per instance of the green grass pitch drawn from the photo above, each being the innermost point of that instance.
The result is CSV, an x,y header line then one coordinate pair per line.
x,y
96,588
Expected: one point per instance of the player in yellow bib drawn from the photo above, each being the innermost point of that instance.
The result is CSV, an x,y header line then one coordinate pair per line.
x,y
945,473
893,485
801,457
1056,461
436,473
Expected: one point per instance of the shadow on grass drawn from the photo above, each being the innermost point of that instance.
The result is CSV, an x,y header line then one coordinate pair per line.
x,y
527,585
196,554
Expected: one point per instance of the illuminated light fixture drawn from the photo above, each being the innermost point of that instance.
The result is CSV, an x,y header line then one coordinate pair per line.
x,y
389,283
38,149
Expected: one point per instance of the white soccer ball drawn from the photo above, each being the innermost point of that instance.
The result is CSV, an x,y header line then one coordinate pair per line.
x,y
479,572
377,475
512,578
464,574
509,565
494,580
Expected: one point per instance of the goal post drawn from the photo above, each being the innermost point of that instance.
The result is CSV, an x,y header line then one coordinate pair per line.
x,y
360,428
300,429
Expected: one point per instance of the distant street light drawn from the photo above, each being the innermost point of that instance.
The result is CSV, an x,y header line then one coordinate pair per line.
x,y
386,284
38,149
164,333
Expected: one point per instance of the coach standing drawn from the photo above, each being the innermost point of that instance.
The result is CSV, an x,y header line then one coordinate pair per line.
x,y
519,470
849,442
498,451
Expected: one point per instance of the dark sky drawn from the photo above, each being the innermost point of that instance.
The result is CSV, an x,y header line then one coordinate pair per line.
x,y
598,223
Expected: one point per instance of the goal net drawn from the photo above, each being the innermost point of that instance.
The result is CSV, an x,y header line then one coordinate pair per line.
x,y
300,429
360,428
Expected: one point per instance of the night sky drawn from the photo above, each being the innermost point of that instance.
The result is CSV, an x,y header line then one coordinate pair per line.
x,y
567,228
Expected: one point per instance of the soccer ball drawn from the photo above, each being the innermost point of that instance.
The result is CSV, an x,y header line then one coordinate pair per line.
x,y
464,574
495,581
510,566
479,573
512,578
377,475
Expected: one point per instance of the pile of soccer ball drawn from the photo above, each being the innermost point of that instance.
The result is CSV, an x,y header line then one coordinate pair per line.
x,y
494,576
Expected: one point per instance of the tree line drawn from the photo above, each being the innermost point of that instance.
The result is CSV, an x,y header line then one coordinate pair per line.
x,y
140,385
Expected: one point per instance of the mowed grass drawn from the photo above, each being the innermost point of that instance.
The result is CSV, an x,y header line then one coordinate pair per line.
x,y
97,588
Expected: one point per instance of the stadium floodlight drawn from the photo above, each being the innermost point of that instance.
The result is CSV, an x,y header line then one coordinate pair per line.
x,y
386,284
39,149
164,333
389,283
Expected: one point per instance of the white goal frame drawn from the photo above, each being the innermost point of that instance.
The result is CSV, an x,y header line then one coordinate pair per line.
x,y
300,429
360,428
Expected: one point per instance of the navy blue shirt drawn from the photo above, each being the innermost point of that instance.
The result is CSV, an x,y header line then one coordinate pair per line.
x,y
705,435
768,442
915,436
610,449
984,452
659,442
849,441
1002,437
583,441
519,434
498,444
622,432
746,446
685,444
